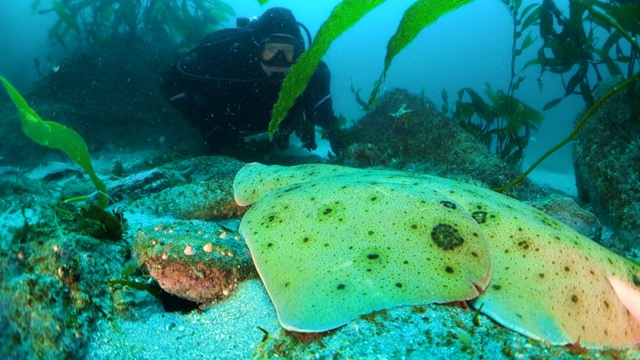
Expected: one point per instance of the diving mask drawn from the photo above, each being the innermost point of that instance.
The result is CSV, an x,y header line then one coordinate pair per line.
x,y
279,50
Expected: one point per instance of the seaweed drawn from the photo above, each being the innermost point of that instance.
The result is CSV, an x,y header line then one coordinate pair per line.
x,y
572,42
621,20
101,224
499,123
503,124
56,136
419,15
343,16
106,23
624,85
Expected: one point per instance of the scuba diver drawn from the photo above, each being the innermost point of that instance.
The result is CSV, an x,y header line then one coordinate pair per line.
x,y
227,85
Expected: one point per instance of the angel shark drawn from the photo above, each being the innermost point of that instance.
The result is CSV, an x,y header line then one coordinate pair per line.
x,y
332,243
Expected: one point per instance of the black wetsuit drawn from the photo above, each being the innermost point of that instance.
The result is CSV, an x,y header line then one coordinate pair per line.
x,y
223,91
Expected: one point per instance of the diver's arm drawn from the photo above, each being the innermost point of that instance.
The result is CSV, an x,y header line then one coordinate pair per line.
x,y
322,107
175,89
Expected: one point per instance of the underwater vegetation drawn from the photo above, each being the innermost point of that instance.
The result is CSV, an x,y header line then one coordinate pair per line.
x,y
497,123
573,45
107,23
56,136
503,124
418,16
596,37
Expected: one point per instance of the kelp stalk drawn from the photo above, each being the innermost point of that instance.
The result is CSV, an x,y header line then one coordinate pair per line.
x,y
574,133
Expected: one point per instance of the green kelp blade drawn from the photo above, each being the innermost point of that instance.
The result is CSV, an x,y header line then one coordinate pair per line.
x,y
343,16
418,16
66,17
56,136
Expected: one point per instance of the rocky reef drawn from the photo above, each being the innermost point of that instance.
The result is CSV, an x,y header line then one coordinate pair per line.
x,y
406,131
606,157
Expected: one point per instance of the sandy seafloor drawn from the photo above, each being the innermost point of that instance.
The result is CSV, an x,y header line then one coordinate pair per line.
x,y
225,331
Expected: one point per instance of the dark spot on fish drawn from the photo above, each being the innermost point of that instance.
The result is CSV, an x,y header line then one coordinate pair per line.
x,y
479,216
448,204
446,237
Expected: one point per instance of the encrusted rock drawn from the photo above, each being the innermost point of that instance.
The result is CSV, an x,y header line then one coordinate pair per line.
x,y
200,261
212,200
406,129
145,182
136,185
419,332
206,195
606,158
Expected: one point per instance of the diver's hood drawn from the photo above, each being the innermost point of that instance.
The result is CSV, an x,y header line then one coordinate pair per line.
x,y
276,20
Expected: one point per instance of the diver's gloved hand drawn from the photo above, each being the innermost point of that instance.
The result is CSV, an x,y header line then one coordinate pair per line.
x,y
281,139
307,135
309,141
336,140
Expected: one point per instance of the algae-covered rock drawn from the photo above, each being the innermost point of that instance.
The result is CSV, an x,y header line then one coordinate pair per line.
x,y
51,289
421,332
23,202
406,128
606,157
203,190
195,260
211,200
